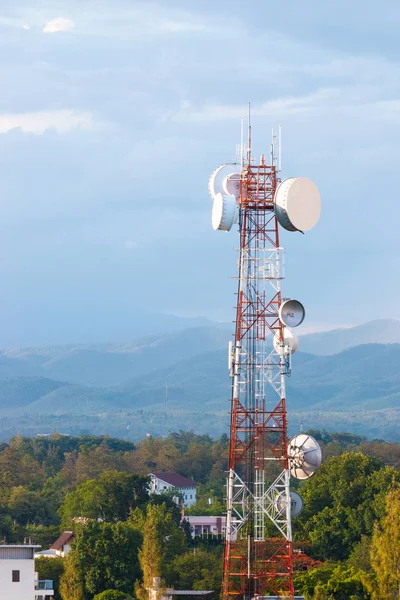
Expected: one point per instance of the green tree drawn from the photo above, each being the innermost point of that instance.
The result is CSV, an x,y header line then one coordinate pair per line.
x,y
72,583
51,568
104,557
163,540
385,550
110,498
25,506
112,595
341,503
332,582
198,569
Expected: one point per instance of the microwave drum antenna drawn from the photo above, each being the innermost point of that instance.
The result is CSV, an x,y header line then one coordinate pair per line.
x,y
305,456
225,212
296,503
297,204
291,313
222,180
290,342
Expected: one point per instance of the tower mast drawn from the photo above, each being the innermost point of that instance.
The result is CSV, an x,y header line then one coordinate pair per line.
x,y
258,559
258,443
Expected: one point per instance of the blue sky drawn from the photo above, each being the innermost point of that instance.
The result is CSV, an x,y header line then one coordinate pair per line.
x,y
112,116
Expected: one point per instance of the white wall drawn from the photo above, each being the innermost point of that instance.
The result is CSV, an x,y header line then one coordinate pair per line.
x,y
24,590
157,486
189,495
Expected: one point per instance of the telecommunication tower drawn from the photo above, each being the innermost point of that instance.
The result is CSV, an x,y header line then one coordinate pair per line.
x,y
258,560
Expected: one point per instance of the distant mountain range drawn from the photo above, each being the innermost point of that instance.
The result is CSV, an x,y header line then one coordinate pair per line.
x,y
179,381
381,331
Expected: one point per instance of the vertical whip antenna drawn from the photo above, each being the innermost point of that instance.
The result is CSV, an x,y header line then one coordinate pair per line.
x,y
249,139
280,149
273,137
241,144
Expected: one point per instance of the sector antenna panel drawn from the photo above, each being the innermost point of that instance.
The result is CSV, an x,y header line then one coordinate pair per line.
x,y
297,204
225,180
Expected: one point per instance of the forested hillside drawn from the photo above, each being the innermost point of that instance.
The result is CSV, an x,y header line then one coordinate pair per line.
x,y
189,388
59,482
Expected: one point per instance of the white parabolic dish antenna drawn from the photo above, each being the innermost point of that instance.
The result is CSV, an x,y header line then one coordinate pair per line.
x,y
223,180
291,313
305,456
296,503
224,212
297,204
290,342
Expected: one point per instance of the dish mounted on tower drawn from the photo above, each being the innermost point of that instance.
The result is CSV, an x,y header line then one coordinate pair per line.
x,y
259,360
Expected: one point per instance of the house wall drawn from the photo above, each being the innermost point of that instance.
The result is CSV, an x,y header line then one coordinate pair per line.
x,y
189,495
158,486
24,590
205,526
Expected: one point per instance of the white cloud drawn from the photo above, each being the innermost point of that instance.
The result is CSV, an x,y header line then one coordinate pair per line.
x,y
179,26
59,24
273,108
130,244
62,121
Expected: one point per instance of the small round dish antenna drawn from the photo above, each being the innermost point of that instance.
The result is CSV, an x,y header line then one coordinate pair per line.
x,y
231,184
305,456
221,180
297,204
296,503
224,212
291,313
290,342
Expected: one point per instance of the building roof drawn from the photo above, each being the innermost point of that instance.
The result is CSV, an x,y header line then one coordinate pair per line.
x,y
20,546
64,538
175,479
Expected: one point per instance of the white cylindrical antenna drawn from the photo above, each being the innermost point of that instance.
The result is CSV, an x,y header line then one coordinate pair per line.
x,y
280,149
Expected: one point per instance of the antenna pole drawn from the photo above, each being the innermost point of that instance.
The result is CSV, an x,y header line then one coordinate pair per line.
x,y
273,147
241,144
249,139
280,149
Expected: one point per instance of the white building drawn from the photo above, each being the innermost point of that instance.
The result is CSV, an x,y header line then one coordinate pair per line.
x,y
18,580
208,526
60,548
162,483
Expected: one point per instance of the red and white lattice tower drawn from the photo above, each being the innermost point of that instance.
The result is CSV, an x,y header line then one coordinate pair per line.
x,y
258,559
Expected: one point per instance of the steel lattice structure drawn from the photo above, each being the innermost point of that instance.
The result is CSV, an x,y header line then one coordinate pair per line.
x,y
258,548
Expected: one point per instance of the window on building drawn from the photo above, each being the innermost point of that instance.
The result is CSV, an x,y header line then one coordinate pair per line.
x,y
15,576
190,496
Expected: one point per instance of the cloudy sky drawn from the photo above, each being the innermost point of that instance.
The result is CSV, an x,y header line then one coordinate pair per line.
x,y
114,113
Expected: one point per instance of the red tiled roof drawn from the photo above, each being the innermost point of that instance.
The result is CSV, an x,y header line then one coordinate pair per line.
x,y
175,479
62,540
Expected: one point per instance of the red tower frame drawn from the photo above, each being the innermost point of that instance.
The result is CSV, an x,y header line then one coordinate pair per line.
x,y
258,549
